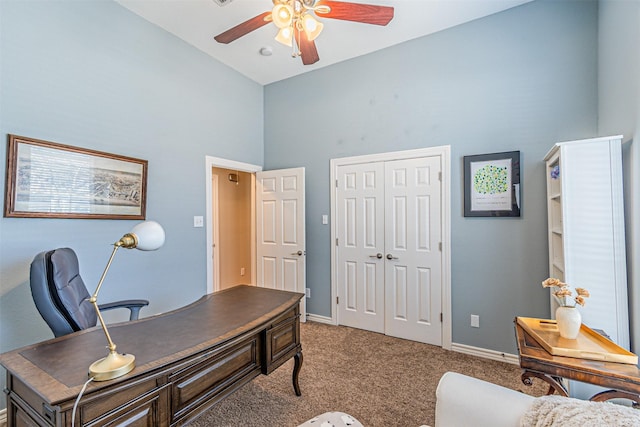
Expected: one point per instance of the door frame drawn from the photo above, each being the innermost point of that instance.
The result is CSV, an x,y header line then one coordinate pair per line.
x,y
444,152
216,162
215,231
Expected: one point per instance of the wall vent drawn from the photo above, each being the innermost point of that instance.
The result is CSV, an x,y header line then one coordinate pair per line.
x,y
222,2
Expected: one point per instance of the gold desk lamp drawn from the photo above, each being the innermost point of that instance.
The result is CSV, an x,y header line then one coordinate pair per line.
x,y
146,236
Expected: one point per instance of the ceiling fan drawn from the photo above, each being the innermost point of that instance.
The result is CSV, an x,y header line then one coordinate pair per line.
x,y
296,21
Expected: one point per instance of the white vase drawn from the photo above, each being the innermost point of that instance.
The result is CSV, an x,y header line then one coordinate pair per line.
x,y
569,321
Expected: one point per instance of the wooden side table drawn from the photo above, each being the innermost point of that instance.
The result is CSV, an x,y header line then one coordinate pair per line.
x,y
622,380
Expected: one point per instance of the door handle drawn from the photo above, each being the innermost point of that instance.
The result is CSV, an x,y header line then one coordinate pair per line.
x,y
389,256
378,255
299,253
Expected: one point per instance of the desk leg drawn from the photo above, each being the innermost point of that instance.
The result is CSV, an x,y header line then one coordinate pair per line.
x,y
555,384
296,371
616,394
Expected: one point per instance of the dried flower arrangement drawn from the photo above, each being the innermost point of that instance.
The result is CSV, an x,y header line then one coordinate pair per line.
x,y
563,293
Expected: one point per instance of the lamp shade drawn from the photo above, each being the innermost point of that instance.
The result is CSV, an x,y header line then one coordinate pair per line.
x,y
311,26
285,36
282,15
149,235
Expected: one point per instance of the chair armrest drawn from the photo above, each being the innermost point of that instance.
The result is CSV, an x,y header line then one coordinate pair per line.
x,y
134,306
467,401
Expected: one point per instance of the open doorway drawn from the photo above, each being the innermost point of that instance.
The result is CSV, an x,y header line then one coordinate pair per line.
x,y
232,193
270,206
213,225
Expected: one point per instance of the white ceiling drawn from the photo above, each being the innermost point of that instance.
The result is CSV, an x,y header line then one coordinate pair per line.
x,y
198,21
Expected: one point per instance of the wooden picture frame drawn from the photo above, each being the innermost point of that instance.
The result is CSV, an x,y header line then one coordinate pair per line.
x,y
492,185
50,180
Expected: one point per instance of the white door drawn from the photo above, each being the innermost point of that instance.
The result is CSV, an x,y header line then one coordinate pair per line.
x,y
360,226
413,271
280,230
389,262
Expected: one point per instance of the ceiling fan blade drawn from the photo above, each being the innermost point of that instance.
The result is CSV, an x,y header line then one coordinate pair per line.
x,y
244,28
357,12
308,51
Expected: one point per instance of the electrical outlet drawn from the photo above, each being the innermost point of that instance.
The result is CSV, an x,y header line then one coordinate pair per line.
x,y
308,292
242,271
475,321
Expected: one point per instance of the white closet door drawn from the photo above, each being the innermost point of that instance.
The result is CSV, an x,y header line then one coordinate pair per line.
x,y
414,259
389,262
360,196
281,230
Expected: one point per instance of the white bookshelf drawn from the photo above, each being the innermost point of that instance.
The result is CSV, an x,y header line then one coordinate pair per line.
x,y
586,229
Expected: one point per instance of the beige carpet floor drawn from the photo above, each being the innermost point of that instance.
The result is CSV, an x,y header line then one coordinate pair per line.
x,y
380,380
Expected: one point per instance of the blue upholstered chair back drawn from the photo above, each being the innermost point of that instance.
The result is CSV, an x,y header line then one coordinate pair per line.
x,y
59,292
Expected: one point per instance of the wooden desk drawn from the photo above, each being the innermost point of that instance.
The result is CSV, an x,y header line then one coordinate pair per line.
x,y
186,361
622,380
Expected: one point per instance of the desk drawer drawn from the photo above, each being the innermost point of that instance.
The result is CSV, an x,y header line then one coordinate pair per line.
x,y
148,410
107,404
282,341
25,407
21,415
215,376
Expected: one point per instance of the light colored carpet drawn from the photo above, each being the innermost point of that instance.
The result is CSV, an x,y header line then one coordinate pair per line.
x,y
380,380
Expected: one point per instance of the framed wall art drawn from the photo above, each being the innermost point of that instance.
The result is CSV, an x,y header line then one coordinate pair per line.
x,y
51,180
492,185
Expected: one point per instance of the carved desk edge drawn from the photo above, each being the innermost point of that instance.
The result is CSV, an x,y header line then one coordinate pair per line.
x,y
274,329
552,369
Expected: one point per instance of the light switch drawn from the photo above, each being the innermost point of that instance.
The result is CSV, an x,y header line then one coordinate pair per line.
x,y
475,321
325,219
198,221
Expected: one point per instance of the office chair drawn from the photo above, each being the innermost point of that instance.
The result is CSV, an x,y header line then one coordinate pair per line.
x,y
62,297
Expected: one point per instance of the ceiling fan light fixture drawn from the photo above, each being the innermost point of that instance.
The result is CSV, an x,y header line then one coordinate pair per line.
x,y
312,27
298,22
323,8
285,36
282,15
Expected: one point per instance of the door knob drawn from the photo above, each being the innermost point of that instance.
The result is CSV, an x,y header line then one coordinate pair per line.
x,y
389,256
299,253
378,255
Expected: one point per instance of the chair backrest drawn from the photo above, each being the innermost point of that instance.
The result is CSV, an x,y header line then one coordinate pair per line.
x,y
59,292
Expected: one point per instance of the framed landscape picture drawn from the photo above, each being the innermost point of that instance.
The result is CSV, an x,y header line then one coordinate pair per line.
x,y
492,185
51,180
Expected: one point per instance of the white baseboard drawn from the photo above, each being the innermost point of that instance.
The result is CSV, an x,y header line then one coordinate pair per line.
x,y
485,353
320,319
3,418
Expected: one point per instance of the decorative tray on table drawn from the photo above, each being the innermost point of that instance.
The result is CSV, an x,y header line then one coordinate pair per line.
x,y
589,344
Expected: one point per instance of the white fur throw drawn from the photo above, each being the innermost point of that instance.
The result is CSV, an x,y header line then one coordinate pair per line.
x,y
552,411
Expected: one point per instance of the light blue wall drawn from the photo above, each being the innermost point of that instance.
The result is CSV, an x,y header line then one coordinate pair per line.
x,y
94,75
519,80
619,113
